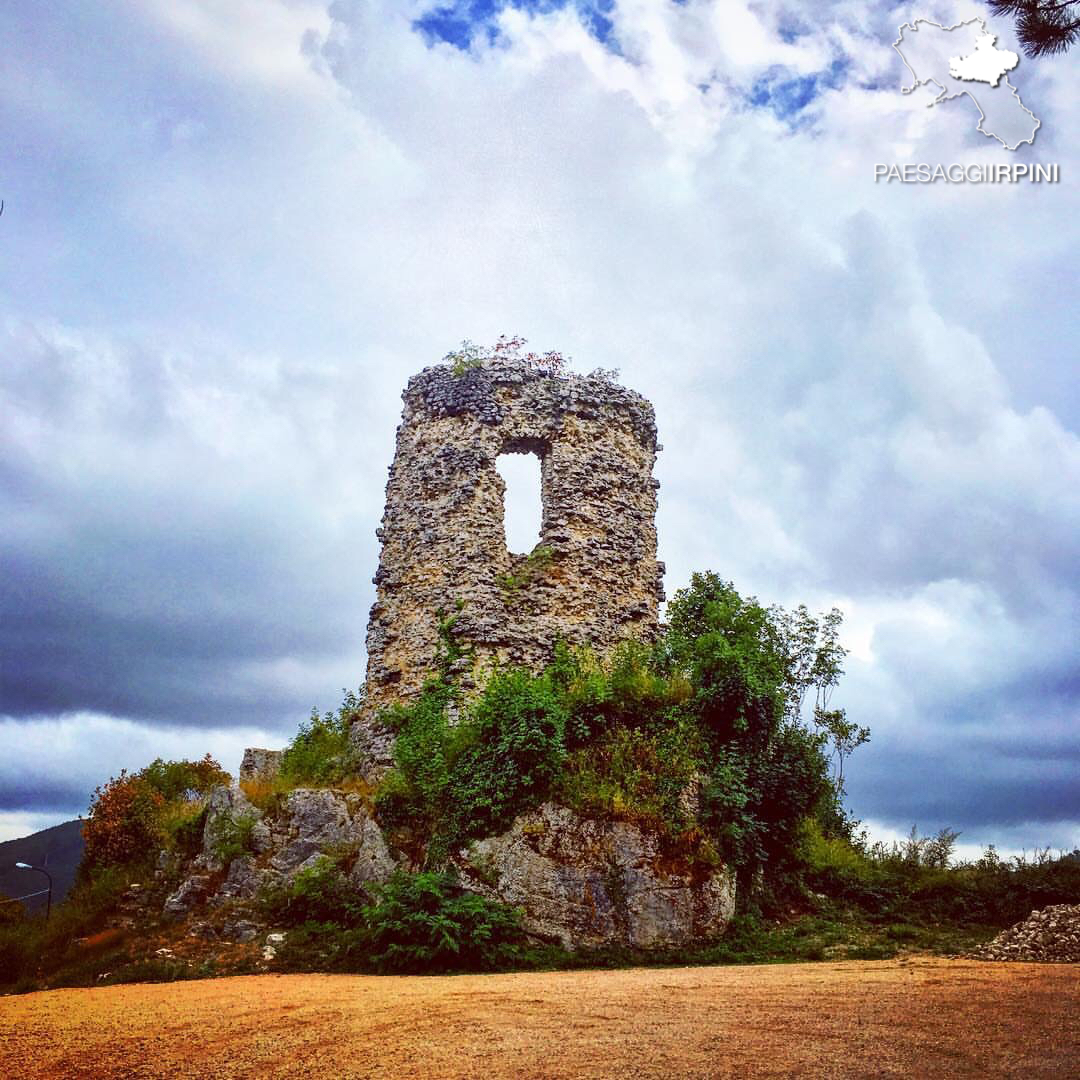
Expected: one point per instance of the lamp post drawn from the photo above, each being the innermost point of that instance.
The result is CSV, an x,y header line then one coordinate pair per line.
x,y
48,903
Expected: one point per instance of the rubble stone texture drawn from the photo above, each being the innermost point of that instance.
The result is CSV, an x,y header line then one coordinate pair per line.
x,y
259,764
1051,935
592,579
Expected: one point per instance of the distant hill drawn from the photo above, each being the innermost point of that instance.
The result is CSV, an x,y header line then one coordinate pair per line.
x,y
58,849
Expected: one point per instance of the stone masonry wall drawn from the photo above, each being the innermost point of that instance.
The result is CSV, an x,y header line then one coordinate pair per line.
x,y
443,540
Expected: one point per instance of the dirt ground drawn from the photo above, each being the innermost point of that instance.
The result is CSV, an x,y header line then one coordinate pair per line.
x,y
912,1018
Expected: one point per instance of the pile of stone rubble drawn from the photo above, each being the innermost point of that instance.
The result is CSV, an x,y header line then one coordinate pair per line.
x,y
1051,935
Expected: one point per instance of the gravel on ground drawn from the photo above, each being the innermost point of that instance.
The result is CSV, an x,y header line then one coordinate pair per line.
x,y
915,1017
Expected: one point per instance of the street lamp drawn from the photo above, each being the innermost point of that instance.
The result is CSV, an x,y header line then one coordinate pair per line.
x,y
40,870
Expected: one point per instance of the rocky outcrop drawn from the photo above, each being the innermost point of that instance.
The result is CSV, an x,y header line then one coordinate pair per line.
x,y
245,851
593,578
232,821
318,821
589,883
581,882
1050,936
192,891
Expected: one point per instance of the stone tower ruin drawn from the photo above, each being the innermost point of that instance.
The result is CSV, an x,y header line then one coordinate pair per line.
x,y
592,579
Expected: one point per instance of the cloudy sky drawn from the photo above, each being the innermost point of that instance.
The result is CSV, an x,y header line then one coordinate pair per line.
x,y
233,228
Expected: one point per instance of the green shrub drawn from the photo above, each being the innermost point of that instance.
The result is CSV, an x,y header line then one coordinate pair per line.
x,y
320,752
415,793
232,836
904,882
718,699
453,782
183,823
625,689
513,746
19,950
426,922
414,922
320,893
629,774
531,567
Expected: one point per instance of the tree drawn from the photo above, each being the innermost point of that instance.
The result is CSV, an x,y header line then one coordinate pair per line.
x,y
1044,27
751,670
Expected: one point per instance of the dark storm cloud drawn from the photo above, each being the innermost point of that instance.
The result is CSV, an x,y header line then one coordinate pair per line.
x,y
42,794
162,552
962,786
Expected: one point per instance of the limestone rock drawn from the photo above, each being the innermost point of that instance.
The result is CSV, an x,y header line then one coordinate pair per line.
x,y
319,815
245,880
191,892
374,863
241,930
317,821
590,883
228,810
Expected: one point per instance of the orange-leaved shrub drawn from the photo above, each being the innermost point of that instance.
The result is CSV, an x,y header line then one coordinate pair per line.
x,y
135,814
124,821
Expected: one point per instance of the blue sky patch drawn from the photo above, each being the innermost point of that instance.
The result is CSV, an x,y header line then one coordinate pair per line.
x,y
460,23
787,96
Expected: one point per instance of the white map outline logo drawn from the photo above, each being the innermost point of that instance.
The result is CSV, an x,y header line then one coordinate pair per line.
x,y
986,64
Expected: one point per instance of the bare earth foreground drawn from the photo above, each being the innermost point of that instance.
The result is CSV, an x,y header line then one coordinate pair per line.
x,y
916,1017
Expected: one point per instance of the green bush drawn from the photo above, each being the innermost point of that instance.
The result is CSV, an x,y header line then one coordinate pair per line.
x,y
414,794
414,922
626,689
531,567
320,893
320,753
631,774
232,837
453,782
426,922
513,748
906,882
184,825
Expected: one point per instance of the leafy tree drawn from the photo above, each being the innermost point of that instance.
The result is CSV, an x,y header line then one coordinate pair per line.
x,y
179,779
124,822
1044,27
751,669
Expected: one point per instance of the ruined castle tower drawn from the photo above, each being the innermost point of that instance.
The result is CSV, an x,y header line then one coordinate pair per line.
x,y
592,579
